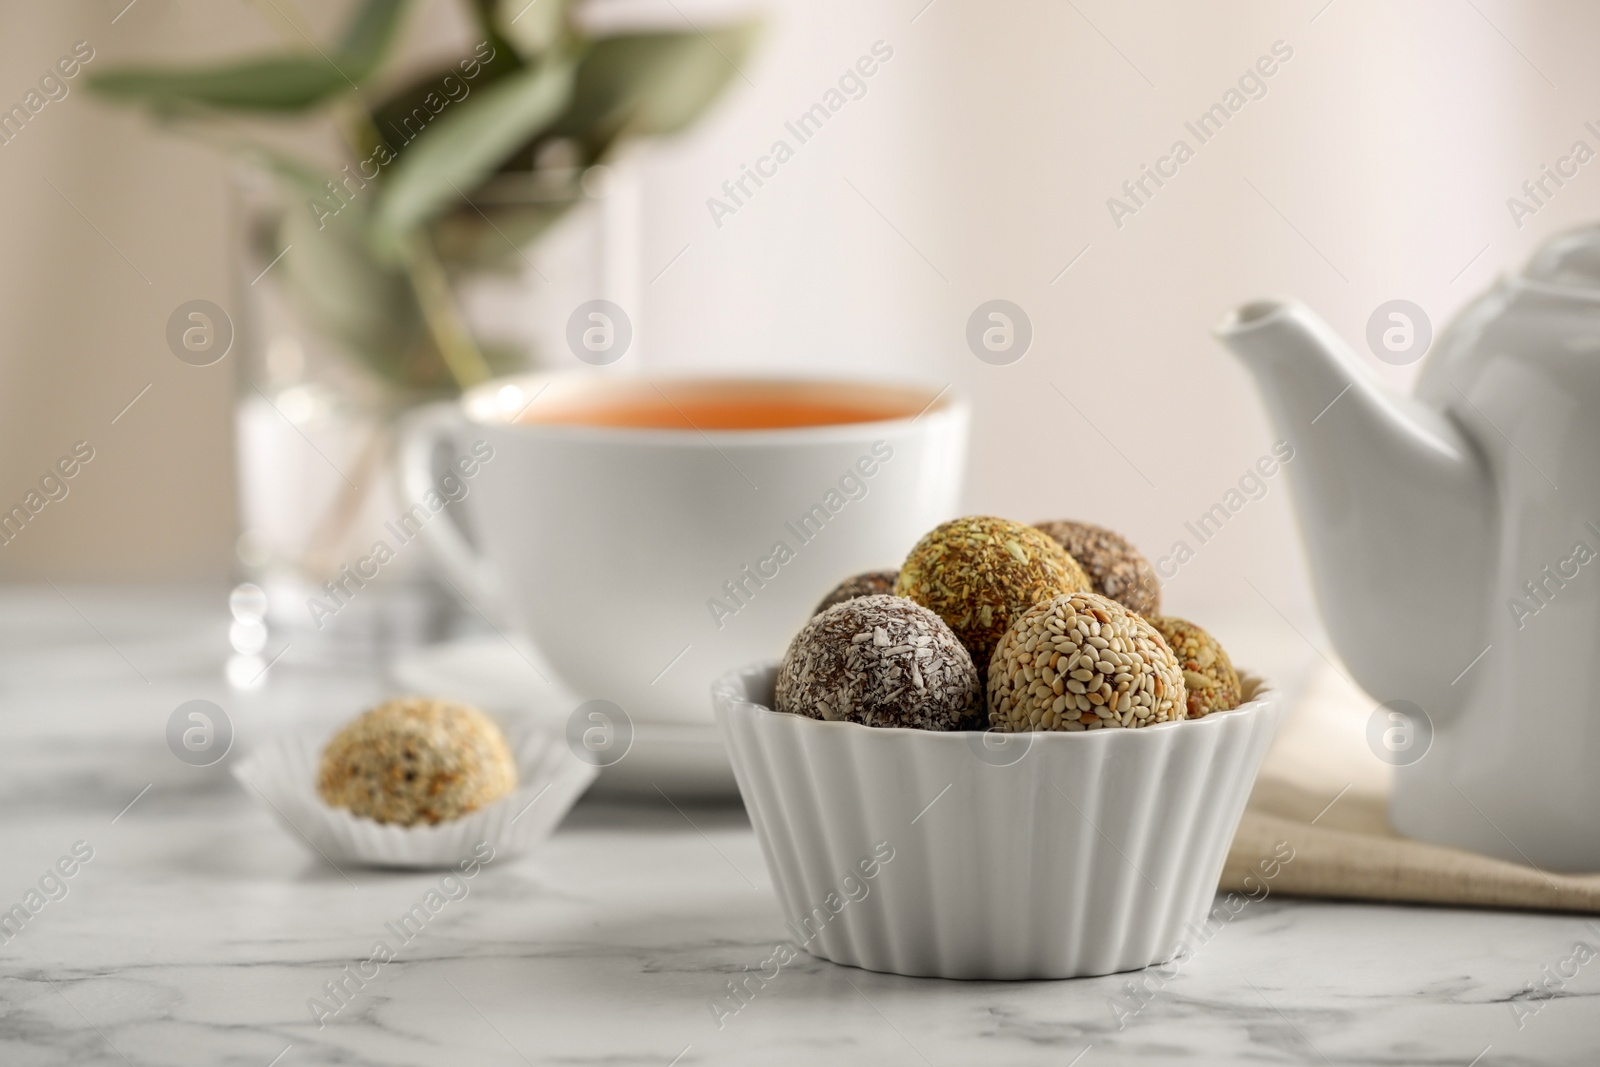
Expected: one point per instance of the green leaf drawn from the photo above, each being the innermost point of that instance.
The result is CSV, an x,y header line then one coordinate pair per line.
x,y
651,84
369,36
453,83
294,175
345,291
287,83
532,26
506,57
297,176
272,83
467,142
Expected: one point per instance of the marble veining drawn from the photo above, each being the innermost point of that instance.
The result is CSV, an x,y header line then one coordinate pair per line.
x,y
199,931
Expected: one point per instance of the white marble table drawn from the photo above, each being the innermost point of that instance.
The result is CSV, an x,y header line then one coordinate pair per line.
x,y
199,930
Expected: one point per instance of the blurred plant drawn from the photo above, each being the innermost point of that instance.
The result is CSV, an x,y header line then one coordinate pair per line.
x,y
466,165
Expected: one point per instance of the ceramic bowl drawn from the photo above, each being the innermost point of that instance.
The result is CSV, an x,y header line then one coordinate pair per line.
x,y
983,855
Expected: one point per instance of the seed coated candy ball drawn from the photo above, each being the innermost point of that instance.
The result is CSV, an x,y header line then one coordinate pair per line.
x,y
1208,673
1114,566
869,584
1083,662
416,760
980,572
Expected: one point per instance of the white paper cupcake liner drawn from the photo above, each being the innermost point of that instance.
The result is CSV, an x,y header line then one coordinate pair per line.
x,y
282,773
1074,854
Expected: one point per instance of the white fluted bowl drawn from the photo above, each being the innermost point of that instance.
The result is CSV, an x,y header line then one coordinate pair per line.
x,y
1054,856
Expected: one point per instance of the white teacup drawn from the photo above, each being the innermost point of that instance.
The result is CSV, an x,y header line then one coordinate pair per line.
x,y
645,559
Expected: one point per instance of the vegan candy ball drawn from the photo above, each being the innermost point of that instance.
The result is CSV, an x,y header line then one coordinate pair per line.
x,y
869,584
416,760
980,572
1208,673
1115,568
1082,662
880,661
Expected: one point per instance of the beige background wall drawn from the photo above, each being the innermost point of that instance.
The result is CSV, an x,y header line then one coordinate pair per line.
x,y
977,166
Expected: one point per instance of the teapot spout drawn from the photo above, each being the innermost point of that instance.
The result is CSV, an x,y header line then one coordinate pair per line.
x,y
1394,505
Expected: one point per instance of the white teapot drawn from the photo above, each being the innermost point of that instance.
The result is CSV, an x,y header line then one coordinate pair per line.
x,y
1454,541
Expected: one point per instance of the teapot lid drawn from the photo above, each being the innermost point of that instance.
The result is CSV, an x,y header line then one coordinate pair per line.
x,y
1569,260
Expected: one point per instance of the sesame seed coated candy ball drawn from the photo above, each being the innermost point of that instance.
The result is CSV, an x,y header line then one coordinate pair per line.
x,y
1114,566
1208,673
416,760
1082,662
870,583
979,573
880,661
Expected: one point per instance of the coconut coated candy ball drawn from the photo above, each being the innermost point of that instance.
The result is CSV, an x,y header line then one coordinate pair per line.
x,y
880,661
980,572
1115,568
1208,673
417,760
1083,662
871,583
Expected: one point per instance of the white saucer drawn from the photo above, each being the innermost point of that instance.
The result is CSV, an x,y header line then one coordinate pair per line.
x,y
671,759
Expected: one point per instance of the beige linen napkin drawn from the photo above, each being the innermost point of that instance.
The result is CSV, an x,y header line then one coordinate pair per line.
x,y
1325,794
